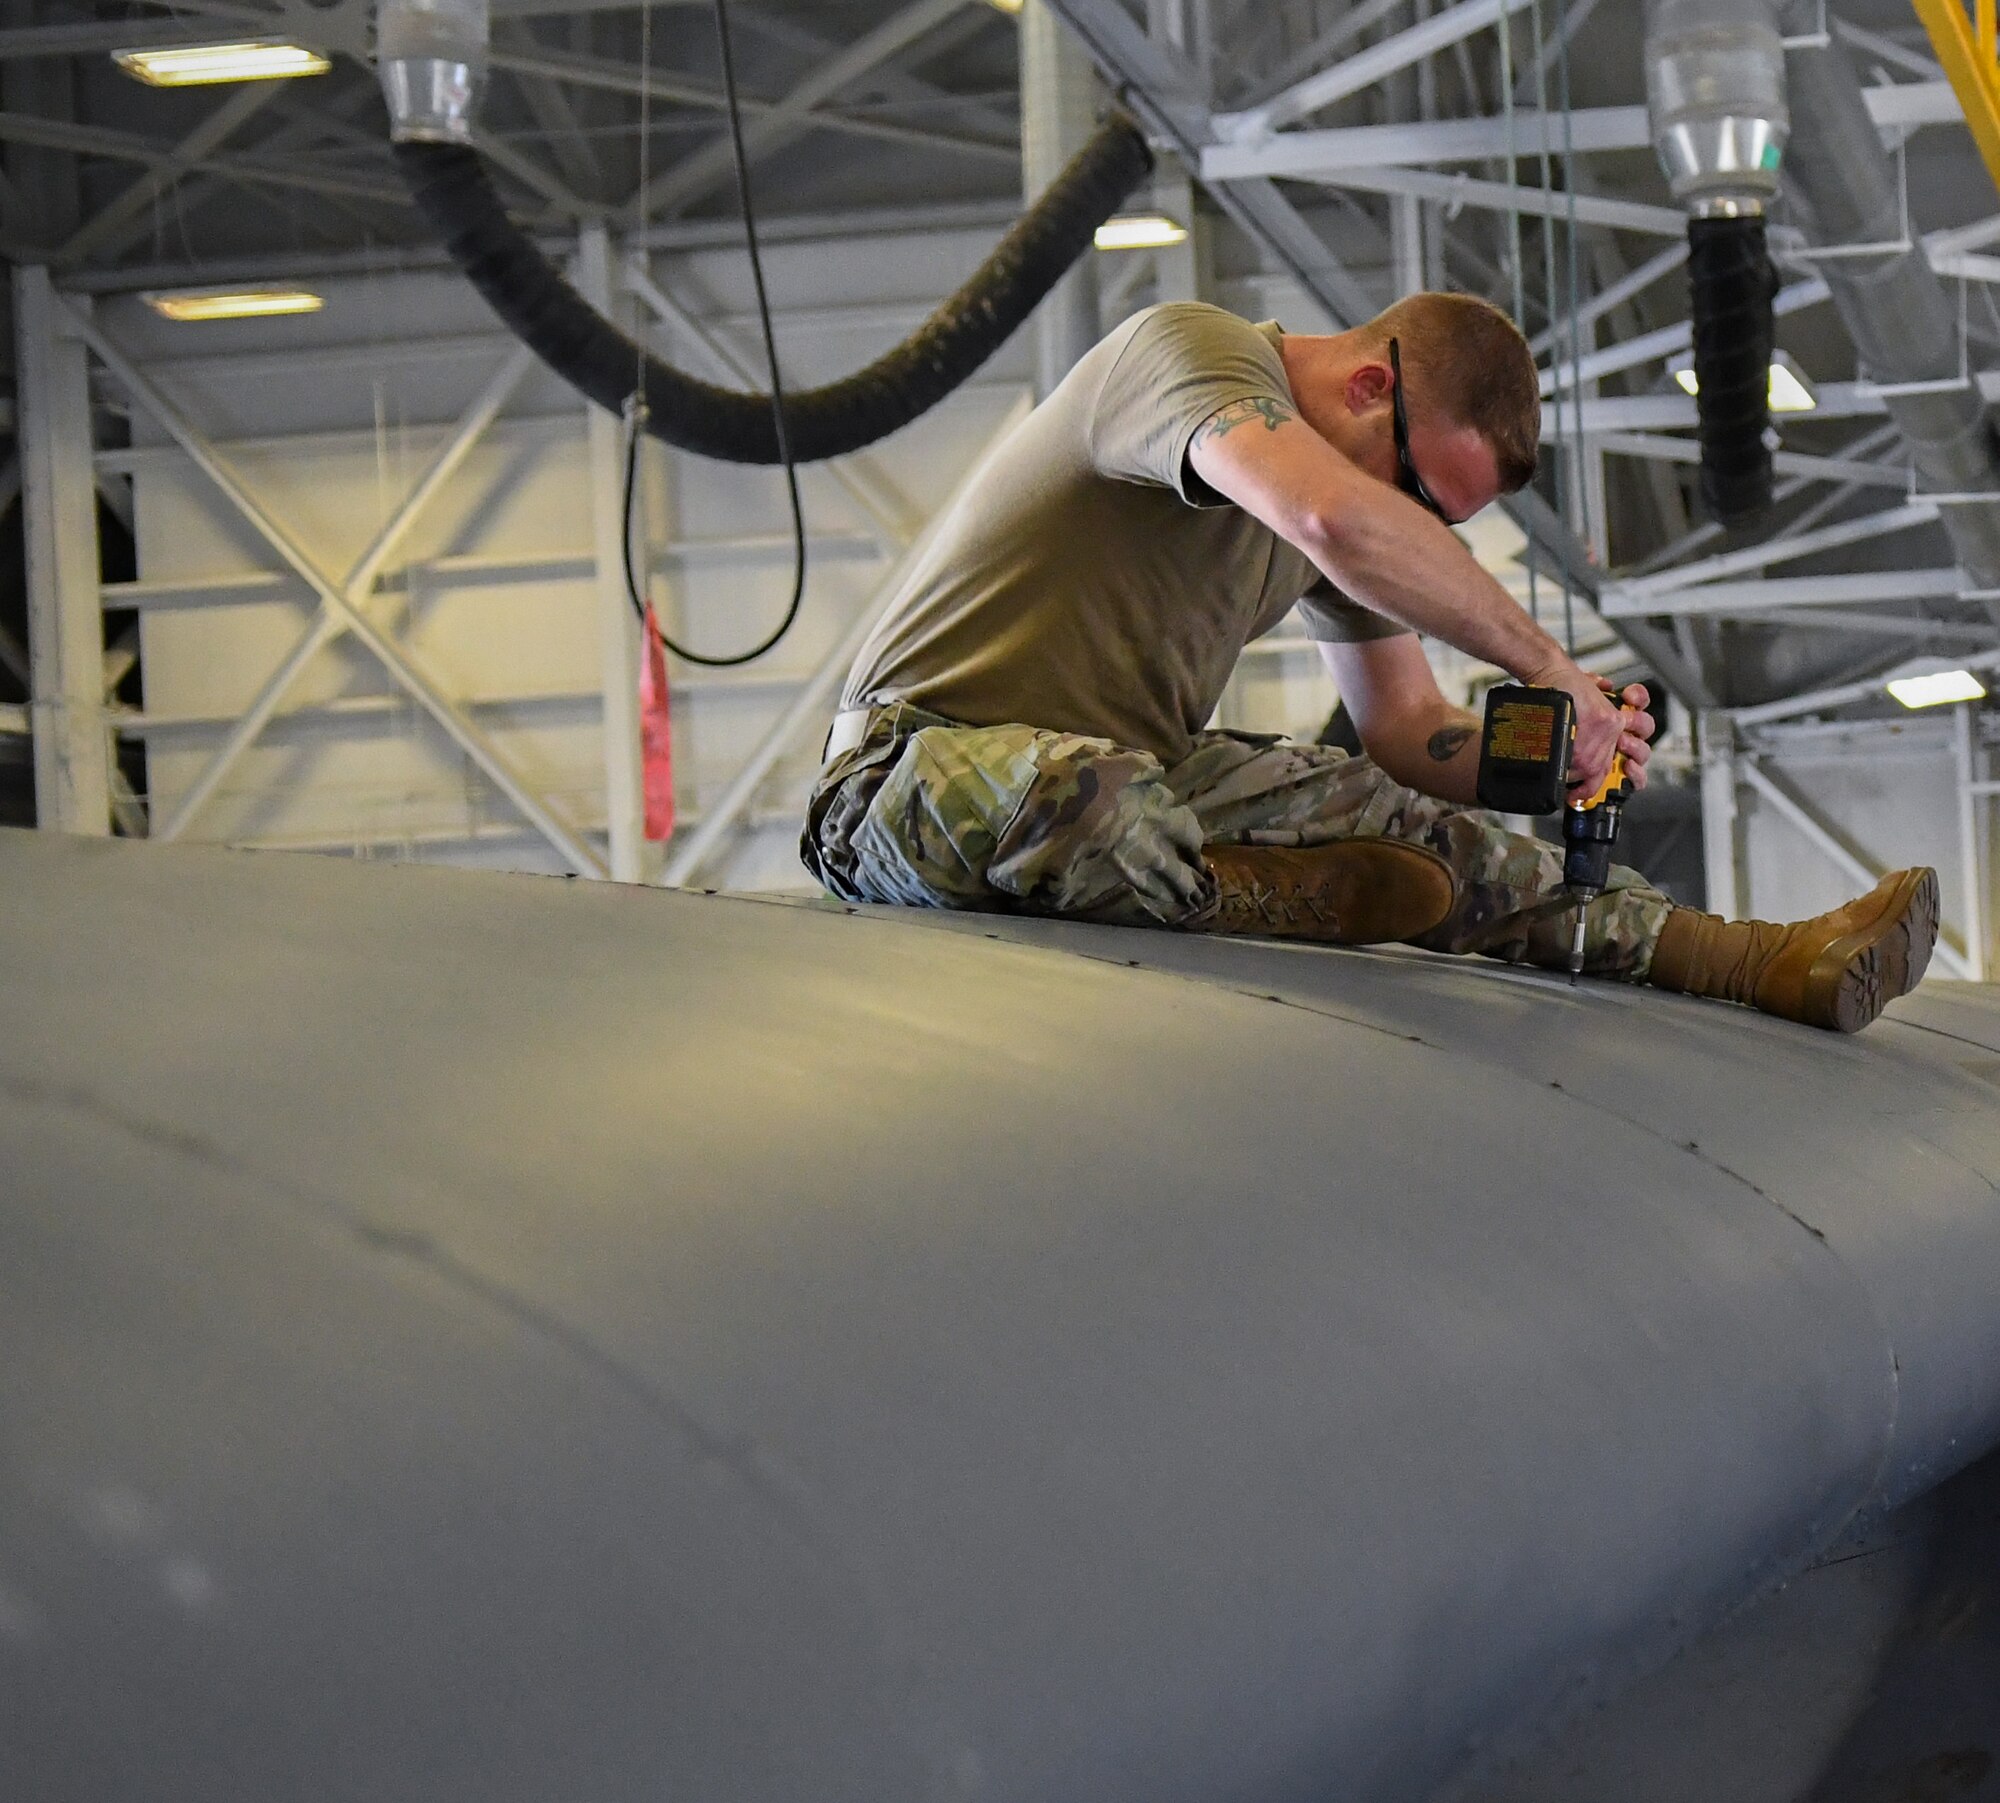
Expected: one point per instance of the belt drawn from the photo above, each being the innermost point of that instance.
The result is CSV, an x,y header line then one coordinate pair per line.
x,y
850,727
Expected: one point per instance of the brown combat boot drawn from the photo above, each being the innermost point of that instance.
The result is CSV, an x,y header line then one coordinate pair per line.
x,y
1349,892
1838,970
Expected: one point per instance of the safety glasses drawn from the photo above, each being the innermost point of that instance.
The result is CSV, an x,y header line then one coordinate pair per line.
x,y
1408,480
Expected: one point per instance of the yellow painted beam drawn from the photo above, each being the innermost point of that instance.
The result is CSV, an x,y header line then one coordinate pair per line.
x,y
1972,67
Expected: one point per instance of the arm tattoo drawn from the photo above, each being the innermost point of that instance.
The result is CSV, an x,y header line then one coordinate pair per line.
x,y
1448,741
1273,413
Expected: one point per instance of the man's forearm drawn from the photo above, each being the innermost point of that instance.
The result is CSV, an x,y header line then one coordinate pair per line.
x,y
1424,578
1438,755
1451,752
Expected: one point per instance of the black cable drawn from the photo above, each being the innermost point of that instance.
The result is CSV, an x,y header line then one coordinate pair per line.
x,y
636,409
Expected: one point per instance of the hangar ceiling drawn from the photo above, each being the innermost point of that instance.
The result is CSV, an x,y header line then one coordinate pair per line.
x,y
866,106
907,113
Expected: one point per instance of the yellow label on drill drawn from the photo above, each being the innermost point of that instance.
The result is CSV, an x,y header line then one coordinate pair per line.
x,y
1523,732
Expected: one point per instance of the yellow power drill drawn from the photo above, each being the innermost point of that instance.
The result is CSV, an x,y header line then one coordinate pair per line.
x,y
1524,758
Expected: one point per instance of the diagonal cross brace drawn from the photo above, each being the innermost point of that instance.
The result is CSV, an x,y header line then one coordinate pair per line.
x,y
325,627
340,611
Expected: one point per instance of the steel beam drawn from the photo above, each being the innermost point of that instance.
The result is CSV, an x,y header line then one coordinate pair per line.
x,y
1363,70
1715,741
1727,598
1320,53
220,125
1495,197
1966,759
91,37
1337,151
544,185
120,146
1575,15
622,78
1849,471
549,103
998,118
1608,300
1668,412
1886,49
675,189
1059,105
59,513
1821,701
1184,271
303,127
618,633
1781,549
1866,445
1917,630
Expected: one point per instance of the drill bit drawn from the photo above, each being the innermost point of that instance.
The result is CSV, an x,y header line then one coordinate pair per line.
x,y
1576,945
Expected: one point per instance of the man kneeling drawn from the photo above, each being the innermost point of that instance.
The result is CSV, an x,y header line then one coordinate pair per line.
x,y
1025,729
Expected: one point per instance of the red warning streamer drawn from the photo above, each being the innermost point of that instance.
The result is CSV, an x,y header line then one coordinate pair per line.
x,y
656,741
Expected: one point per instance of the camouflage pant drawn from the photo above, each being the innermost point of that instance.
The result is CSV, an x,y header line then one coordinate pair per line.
x,y
1015,819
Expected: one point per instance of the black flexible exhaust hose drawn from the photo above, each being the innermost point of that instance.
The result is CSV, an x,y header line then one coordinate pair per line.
x,y
1733,283
454,191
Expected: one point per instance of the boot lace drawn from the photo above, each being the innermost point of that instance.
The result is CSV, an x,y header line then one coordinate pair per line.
x,y
1277,904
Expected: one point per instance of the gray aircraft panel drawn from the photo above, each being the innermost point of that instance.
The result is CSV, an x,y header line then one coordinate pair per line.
x,y
550,1340
1889,1150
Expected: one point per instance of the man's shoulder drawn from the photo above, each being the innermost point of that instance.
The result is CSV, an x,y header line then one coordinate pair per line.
x,y
1194,319
1192,340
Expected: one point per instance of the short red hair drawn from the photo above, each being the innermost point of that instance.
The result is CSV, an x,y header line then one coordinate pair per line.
x,y
1472,365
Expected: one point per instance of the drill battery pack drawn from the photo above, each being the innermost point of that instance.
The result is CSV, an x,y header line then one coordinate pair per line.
x,y
1524,749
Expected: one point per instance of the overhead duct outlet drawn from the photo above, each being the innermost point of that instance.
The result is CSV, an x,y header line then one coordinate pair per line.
x,y
431,55
1715,93
432,59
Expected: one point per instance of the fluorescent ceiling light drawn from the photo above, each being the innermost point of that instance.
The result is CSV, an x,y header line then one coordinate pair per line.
x,y
1139,231
233,303
1789,391
1938,687
199,65
1005,6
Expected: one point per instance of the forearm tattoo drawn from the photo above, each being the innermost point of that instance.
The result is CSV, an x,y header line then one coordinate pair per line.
x,y
1274,413
1448,741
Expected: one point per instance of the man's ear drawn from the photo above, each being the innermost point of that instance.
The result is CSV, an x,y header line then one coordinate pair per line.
x,y
1369,386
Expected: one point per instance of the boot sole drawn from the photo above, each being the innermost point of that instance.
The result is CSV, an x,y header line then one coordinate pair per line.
x,y
1864,972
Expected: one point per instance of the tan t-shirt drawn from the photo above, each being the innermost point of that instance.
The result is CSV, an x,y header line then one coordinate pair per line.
x,y
1087,580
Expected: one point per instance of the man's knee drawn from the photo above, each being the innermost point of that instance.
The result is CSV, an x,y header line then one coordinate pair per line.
x,y
970,817
1098,833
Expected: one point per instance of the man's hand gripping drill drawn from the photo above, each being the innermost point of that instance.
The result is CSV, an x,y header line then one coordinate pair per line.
x,y
1568,744
1592,815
